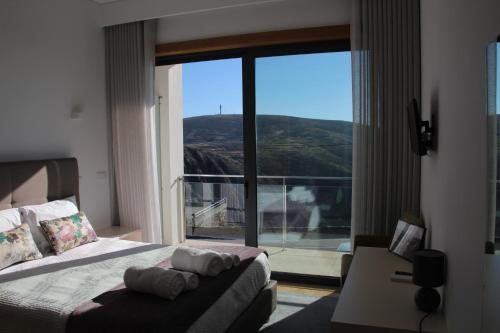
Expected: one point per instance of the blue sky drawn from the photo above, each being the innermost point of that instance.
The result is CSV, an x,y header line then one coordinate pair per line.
x,y
309,86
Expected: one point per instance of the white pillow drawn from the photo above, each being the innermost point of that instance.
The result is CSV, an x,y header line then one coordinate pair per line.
x,y
32,215
9,219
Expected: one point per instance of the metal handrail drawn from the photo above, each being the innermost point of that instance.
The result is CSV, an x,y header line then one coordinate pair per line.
x,y
284,195
208,208
268,177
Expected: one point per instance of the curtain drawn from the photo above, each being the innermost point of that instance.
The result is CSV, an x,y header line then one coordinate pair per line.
x,y
130,65
386,77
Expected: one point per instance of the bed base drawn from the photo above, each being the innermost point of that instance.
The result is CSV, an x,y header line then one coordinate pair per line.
x,y
258,312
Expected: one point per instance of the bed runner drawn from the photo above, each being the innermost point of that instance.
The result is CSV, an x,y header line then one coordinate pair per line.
x,y
123,310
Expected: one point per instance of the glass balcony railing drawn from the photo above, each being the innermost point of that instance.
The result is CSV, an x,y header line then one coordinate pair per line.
x,y
293,212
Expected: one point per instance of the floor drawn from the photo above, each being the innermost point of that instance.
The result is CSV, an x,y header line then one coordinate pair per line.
x,y
305,261
302,308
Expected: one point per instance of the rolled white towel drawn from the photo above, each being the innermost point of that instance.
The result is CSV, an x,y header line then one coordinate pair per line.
x,y
235,259
166,283
191,279
198,261
227,259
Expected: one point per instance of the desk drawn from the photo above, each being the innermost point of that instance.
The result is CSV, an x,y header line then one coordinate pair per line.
x,y
371,302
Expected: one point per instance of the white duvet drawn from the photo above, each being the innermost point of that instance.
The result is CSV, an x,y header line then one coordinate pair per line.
x,y
38,296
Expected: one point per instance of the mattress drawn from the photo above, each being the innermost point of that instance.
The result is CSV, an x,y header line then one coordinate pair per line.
x,y
61,283
102,247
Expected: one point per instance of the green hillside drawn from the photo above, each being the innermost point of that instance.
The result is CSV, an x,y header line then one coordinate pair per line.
x,y
287,146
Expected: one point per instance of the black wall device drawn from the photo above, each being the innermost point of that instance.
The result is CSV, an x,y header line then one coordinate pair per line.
x,y
420,131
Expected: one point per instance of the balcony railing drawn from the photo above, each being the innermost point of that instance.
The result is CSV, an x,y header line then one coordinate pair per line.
x,y
293,211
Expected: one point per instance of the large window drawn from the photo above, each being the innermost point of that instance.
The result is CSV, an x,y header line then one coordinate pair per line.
x,y
213,150
304,159
494,143
267,151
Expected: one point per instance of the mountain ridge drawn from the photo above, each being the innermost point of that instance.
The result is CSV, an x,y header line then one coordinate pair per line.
x,y
286,146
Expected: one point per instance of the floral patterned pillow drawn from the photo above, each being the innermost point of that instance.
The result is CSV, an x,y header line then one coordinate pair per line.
x,y
68,232
17,245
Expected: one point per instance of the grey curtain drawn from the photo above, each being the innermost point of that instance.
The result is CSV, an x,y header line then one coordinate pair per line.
x,y
386,76
130,65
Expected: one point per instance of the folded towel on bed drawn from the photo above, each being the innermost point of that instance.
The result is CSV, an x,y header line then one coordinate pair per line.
x,y
227,260
199,261
236,259
191,279
166,283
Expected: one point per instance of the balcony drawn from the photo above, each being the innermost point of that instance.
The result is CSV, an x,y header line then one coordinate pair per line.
x,y
302,222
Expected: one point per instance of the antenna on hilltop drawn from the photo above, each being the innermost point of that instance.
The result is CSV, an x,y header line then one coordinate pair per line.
x,y
220,109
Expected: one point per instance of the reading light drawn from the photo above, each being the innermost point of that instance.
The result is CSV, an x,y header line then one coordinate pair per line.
x,y
429,272
76,112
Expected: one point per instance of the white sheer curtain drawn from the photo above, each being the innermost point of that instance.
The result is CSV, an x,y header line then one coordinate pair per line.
x,y
386,76
130,65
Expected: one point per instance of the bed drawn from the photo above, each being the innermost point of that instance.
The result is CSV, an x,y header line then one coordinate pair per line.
x,y
81,290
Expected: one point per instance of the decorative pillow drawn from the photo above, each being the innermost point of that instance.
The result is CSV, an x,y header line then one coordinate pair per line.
x,y
17,245
9,219
68,232
48,211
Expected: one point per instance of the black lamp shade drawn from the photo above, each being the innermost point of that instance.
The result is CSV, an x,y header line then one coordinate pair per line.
x,y
429,268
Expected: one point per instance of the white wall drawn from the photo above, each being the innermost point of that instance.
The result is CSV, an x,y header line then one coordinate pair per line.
x,y
491,302
124,11
168,85
195,19
52,60
455,34
269,16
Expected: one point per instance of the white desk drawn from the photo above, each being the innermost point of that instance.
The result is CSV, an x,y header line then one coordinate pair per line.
x,y
371,302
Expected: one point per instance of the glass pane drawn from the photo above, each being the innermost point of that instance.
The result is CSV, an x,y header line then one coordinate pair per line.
x,y
497,144
213,151
304,160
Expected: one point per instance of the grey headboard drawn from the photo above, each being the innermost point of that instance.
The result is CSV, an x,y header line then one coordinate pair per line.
x,y
36,182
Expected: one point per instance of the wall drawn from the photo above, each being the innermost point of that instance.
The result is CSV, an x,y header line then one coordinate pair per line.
x,y
186,20
51,61
124,11
259,17
168,85
491,302
455,34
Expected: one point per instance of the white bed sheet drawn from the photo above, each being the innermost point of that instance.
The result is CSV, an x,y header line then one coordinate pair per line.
x,y
103,246
218,318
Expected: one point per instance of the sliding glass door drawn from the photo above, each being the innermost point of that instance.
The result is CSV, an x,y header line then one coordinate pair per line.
x,y
304,159
267,151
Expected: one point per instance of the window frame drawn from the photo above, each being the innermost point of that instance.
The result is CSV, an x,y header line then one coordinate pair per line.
x,y
248,56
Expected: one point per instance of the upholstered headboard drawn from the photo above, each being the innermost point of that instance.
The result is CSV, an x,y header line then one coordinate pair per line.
x,y
36,182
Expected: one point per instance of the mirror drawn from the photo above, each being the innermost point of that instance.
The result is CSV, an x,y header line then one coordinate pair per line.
x,y
493,102
491,279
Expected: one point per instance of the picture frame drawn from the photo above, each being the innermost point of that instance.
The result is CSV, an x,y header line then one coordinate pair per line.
x,y
407,239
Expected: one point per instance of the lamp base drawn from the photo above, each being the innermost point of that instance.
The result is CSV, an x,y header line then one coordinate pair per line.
x,y
427,299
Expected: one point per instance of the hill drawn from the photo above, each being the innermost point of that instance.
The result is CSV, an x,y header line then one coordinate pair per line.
x,y
286,146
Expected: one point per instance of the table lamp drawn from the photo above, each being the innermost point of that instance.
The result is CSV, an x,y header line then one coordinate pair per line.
x,y
429,272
